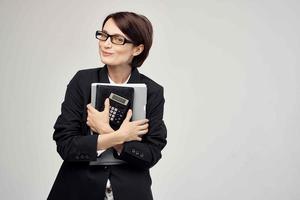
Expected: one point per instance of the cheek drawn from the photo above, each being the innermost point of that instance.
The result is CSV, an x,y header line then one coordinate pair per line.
x,y
124,54
121,56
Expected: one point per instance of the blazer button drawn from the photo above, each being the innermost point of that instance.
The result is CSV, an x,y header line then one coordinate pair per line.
x,y
86,156
142,155
137,153
133,150
82,156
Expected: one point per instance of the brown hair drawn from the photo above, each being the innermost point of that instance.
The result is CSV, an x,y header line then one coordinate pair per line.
x,y
138,29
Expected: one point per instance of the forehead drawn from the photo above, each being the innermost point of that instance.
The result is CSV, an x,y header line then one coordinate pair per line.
x,y
111,28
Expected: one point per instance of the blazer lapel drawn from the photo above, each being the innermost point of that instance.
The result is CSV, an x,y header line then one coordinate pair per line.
x,y
134,77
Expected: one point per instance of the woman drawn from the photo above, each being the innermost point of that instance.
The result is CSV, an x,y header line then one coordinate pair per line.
x,y
124,44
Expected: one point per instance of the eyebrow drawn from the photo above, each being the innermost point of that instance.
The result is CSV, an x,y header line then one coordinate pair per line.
x,y
113,34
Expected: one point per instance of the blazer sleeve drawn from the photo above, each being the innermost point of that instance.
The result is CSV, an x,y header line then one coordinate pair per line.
x,y
72,144
146,153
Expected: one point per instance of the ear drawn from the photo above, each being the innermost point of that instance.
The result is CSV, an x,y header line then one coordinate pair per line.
x,y
138,49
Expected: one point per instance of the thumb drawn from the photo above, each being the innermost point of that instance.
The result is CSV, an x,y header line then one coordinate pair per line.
x,y
129,115
106,105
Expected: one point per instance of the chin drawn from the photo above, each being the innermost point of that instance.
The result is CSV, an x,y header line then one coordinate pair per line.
x,y
107,61
110,63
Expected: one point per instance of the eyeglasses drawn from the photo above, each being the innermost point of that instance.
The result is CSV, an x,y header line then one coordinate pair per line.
x,y
116,39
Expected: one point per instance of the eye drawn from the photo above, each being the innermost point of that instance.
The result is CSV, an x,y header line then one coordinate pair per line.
x,y
119,39
102,35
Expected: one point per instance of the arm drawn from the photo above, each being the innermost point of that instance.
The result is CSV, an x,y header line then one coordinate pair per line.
x,y
128,131
99,122
72,144
147,153
109,140
117,147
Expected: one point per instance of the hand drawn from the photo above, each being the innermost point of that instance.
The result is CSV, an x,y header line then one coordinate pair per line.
x,y
132,130
118,148
99,121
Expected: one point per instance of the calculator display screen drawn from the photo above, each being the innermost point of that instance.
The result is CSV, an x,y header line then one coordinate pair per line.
x,y
118,99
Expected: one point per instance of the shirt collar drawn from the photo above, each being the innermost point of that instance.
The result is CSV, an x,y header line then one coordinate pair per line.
x,y
133,78
111,81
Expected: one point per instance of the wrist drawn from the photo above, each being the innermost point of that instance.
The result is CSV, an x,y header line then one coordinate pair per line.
x,y
109,140
119,136
104,131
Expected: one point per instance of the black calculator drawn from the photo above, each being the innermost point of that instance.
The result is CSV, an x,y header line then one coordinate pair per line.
x,y
118,109
120,101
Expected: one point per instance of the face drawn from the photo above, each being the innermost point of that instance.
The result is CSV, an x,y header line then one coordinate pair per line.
x,y
113,54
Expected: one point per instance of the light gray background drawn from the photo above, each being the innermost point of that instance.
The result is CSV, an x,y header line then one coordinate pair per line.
x,y
230,70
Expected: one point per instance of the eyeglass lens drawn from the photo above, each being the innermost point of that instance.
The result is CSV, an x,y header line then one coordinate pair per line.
x,y
116,39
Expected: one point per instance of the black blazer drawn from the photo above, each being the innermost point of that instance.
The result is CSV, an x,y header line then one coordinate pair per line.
x,y
76,180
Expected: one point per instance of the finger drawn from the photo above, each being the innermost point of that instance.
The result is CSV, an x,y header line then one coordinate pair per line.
x,y
144,126
143,132
89,116
106,105
128,116
139,139
90,107
141,121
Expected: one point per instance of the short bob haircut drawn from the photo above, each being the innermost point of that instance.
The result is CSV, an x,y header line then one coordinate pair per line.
x,y
138,29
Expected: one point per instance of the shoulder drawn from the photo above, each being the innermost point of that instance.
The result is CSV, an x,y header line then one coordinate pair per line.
x,y
87,73
82,79
85,76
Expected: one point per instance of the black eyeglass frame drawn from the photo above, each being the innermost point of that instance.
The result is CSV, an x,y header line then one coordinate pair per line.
x,y
108,35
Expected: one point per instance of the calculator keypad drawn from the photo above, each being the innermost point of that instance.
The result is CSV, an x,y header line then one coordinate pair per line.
x,y
115,114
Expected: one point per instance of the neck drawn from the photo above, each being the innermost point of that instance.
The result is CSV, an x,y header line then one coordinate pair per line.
x,y
119,74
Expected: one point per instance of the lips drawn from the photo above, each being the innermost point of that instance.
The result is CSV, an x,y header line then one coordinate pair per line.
x,y
104,53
